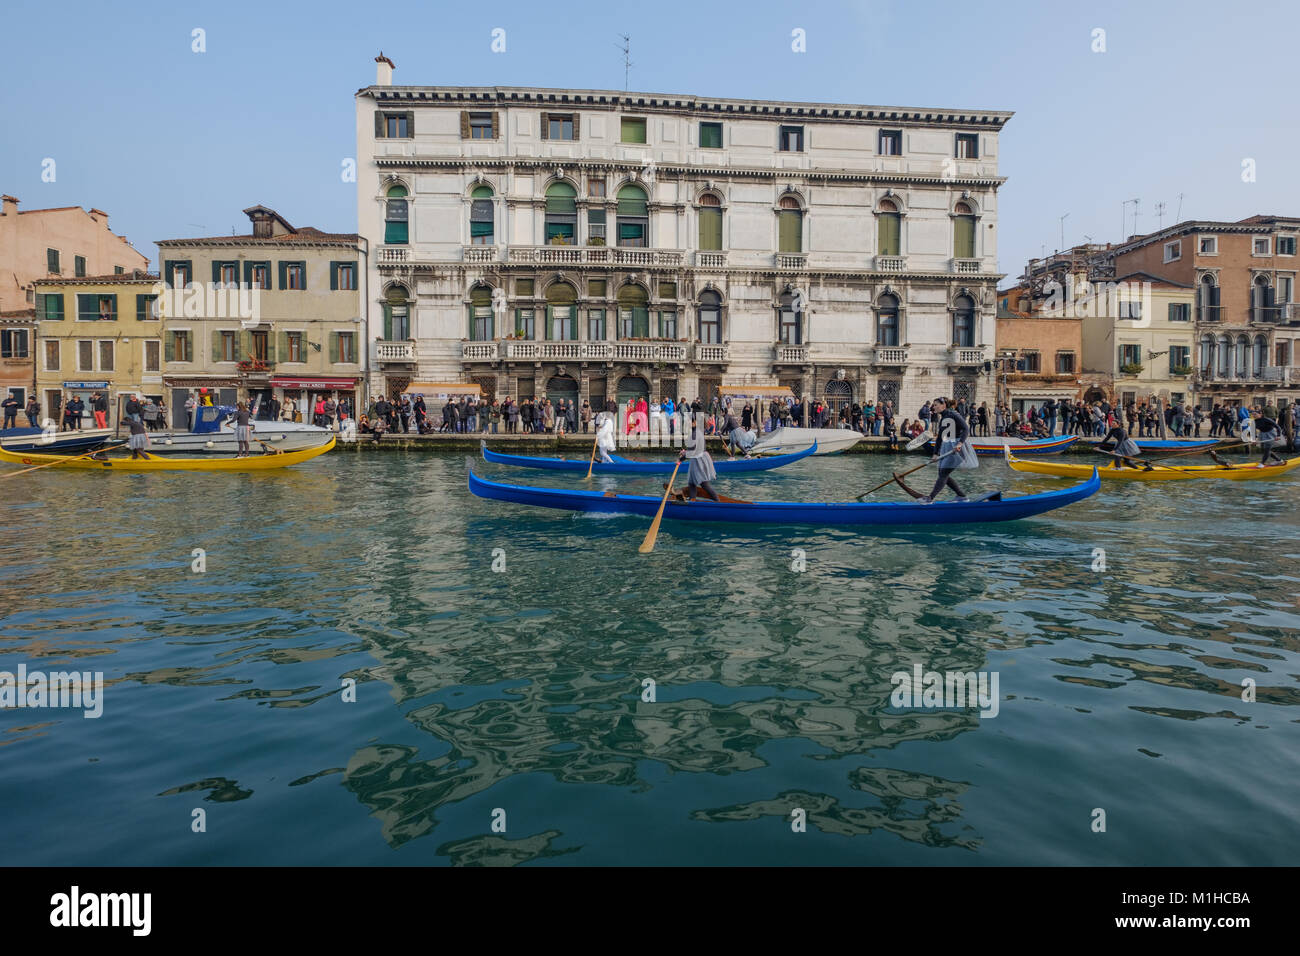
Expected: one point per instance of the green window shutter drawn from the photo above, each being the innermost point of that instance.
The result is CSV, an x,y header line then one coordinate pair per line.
x,y
284,346
39,305
379,124
334,276
887,234
546,126
641,322
711,229
964,237
216,271
284,281
496,125
410,125
169,347
141,307
464,124
245,345
58,307
791,237
333,349
395,233
216,346
270,347
388,323
575,127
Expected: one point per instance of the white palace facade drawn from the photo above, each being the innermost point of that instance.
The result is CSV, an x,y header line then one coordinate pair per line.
x,y
601,245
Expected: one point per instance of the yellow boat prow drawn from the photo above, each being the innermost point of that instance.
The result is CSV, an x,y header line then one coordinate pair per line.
x,y
164,463
1243,472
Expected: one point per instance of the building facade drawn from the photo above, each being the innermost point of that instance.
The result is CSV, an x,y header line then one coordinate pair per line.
x,y
596,245
67,242
1246,320
97,333
17,351
1039,354
273,314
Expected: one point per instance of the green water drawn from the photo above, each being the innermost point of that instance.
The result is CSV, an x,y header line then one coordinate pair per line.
x,y
522,691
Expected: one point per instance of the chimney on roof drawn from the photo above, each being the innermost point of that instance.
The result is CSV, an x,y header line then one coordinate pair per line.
x,y
383,70
10,205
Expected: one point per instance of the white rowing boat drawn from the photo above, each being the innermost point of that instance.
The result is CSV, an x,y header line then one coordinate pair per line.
x,y
787,441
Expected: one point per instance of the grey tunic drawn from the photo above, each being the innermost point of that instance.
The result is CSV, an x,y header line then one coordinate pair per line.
x,y
701,469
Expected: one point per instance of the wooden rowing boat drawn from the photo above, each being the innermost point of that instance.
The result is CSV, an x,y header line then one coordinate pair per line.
x,y
169,463
1244,472
1174,444
626,466
788,512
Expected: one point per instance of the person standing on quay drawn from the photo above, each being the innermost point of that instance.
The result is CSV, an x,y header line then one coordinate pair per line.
x,y
32,411
586,416
10,405
243,428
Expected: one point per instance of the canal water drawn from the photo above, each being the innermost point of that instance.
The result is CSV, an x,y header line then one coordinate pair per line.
x,y
508,716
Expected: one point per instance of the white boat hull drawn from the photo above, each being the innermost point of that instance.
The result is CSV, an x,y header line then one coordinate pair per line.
x,y
787,441
288,436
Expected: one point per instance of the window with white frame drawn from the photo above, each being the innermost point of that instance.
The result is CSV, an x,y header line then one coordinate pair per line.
x,y
1261,246
1286,245
1285,287
1208,245
1173,250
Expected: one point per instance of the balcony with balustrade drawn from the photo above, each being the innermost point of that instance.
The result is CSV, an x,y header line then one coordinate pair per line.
x,y
789,354
966,266
481,254
790,260
712,354
964,357
561,255
395,352
392,255
573,350
890,263
711,260
890,355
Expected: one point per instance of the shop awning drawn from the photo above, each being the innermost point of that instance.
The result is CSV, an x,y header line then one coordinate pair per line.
x,y
443,389
321,383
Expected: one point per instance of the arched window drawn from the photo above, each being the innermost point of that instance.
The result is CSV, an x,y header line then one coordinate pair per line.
x,y
1207,354
838,394
561,214
710,216
710,318
889,229
1223,352
397,315
633,217
963,322
790,222
396,216
633,313
789,322
887,321
480,314
1259,359
1262,300
1239,354
561,312
480,216
963,232
1207,300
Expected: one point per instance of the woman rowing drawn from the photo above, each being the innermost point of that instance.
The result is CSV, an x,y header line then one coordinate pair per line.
x,y
954,450
1268,433
1125,448
701,467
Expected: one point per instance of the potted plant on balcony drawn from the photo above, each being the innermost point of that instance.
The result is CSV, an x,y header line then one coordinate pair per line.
x,y
1131,368
596,241
1181,370
559,241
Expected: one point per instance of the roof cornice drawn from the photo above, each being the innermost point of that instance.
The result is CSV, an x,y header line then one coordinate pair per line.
x,y
666,103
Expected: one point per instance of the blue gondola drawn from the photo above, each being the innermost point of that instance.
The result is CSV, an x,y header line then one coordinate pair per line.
x,y
1172,444
788,512
625,466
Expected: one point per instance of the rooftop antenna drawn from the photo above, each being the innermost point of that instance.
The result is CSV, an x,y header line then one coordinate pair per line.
x,y
627,58
1179,217
1123,217
1063,218
1160,216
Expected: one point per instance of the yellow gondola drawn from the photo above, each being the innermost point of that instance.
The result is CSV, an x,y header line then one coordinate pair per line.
x,y
165,463
1243,472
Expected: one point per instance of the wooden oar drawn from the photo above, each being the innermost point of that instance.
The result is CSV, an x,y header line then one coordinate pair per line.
x,y
652,535
267,444
49,464
592,464
906,473
1150,465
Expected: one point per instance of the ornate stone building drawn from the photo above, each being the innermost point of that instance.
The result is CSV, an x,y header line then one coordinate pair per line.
x,y
600,245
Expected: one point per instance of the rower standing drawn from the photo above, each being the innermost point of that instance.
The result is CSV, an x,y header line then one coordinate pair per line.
x,y
954,449
1268,433
701,471
243,428
605,436
1126,449
139,439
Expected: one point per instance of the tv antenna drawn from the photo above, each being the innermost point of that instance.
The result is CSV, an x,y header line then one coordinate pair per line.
x,y
1063,218
1178,218
627,58
1160,216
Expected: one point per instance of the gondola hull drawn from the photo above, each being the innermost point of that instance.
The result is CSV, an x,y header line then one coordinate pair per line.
x,y
1174,444
992,447
788,512
624,466
124,463
1244,472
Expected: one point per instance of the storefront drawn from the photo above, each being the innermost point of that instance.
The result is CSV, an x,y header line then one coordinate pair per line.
x,y
437,394
83,391
214,390
304,393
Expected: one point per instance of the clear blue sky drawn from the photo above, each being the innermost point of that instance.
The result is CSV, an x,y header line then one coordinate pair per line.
x,y
173,143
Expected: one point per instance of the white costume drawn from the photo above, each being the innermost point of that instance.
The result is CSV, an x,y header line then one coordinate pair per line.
x,y
605,436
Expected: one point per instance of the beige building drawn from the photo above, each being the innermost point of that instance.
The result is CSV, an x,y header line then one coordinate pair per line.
x,y
270,315
1139,341
68,242
97,333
